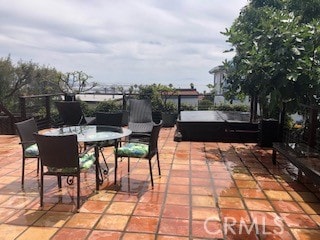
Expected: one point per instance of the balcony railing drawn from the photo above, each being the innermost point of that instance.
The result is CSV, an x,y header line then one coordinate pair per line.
x,y
40,107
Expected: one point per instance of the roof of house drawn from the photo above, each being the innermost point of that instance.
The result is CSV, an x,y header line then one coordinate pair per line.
x,y
187,91
216,69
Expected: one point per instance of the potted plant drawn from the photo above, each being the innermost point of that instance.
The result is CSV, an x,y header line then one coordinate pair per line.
x,y
111,106
169,112
162,107
152,92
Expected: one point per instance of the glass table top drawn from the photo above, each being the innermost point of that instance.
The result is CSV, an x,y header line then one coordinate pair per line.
x,y
91,133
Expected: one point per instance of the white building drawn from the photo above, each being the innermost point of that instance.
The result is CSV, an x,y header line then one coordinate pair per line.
x,y
218,79
220,83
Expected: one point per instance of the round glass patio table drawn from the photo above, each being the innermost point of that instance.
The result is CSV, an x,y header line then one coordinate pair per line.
x,y
92,134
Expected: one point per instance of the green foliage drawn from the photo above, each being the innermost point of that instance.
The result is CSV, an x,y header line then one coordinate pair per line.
x,y
231,107
187,107
169,106
309,10
205,104
23,78
6,80
277,55
159,95
151,92
210,96
270,3
28,78
87,110
74,82
109,106
55,118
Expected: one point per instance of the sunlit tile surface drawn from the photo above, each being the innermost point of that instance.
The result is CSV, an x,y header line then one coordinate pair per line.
x,y
207,190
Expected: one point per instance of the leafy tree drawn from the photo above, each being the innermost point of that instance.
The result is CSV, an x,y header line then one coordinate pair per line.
x,y
159,95
210,96
308,10
29,78
269,3
277,56
74,82
24,78
6,79
151,92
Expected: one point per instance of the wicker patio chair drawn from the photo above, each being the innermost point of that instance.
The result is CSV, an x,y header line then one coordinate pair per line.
x,y
140,119
60,157
132,149
25,131
71,113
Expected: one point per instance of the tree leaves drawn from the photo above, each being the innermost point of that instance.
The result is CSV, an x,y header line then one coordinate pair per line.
x,y
276,51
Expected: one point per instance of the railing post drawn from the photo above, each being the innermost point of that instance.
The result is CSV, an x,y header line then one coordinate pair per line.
x,y
282,117
48,109
179,104
124,102
313,127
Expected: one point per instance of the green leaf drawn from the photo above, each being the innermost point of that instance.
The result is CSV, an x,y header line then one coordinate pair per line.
x,y
293,77
296,51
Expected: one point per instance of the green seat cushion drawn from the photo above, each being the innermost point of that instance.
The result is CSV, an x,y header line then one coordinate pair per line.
x,y
133,150
32,151
85,162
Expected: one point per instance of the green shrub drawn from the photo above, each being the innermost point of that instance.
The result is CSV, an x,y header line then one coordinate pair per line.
x,y
187,107
169,106
108,106
87,111
229,107
205,104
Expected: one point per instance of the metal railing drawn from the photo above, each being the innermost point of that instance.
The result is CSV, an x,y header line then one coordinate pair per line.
x,y
40,107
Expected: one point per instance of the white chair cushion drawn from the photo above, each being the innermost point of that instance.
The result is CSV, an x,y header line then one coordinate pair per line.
x,y
32,151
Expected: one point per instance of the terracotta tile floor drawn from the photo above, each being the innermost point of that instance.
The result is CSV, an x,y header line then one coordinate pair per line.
x,y
206,191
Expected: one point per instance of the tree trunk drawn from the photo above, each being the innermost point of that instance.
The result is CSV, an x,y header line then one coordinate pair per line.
x,y
253,108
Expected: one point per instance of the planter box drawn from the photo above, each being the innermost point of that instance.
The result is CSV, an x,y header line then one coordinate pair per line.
x,y
156,117
169,119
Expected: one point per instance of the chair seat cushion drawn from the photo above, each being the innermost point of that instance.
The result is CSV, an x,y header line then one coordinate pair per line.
x,y
85,162
133,150
32,151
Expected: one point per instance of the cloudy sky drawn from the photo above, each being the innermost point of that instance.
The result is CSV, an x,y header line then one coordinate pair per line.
x,y
121,41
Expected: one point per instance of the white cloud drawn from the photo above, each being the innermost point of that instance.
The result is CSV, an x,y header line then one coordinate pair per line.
x,y
125,42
